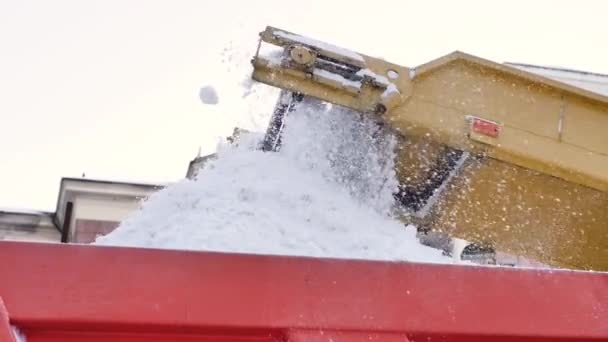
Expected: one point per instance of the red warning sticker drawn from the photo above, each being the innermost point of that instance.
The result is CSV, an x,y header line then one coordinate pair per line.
x,y
485,127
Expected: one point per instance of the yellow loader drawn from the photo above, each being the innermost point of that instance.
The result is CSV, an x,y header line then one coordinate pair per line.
x,y
515,162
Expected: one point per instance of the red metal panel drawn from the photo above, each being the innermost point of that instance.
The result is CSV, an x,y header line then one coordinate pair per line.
x,y
101,290
54,336
344,336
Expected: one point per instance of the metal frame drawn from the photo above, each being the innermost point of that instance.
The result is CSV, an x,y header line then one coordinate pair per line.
x,y
86,293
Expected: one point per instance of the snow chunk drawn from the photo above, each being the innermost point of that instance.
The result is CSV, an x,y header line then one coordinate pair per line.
x,y
412,73
326,193
319,44
208,95
390,91
458,248
271,53
392,74
337,78
379,79
19,336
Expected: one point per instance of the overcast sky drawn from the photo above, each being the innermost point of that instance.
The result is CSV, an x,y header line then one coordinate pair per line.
x,y
110,88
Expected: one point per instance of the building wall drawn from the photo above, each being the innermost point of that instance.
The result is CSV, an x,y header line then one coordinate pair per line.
x,y
39,234
87,231
98,207
111,208
95,215
28,226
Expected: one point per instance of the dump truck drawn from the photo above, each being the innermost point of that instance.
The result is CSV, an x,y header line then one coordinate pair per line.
x,y
509,160
77,293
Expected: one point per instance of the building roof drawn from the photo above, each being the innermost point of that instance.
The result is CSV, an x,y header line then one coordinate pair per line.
x,y
70,187
518,72
22,211
115,182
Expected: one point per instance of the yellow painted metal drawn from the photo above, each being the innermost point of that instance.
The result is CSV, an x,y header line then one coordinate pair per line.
x,y
529,114
365,99
539,189
523,212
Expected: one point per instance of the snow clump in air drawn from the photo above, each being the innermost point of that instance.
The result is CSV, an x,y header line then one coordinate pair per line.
x,y
208,95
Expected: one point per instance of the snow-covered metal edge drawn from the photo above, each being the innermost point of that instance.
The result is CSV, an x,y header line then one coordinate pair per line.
x,y
435,197
337,78
378,79
319,44
594,82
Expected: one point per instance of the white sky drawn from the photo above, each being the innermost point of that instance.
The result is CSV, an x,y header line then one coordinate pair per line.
x,y
110,88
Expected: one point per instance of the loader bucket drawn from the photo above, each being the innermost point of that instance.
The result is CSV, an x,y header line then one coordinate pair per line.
x,y
300,64
504,158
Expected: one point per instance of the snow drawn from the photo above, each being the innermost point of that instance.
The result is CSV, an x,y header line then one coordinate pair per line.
x,y
208,95
392,74
19,336
379,79
337,78
272,53
458,248
327,193
320,45
596,83
390,91
430,203
412,73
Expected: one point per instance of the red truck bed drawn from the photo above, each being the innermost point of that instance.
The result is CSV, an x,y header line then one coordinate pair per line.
x,y
75,293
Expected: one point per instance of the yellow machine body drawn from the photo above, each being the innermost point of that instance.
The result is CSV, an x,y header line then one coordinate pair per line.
x,y
533,179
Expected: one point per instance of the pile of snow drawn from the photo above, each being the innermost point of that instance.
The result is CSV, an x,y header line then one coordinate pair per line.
x,y
326,193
